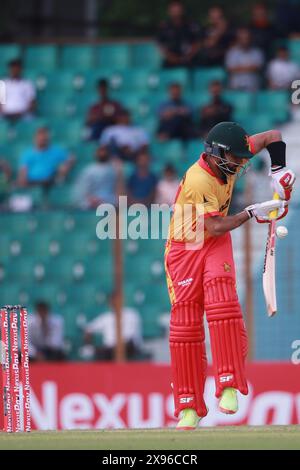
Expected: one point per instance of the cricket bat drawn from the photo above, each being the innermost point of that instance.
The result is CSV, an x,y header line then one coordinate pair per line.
x,y
269,272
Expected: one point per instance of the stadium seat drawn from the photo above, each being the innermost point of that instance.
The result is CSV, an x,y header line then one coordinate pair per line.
x,y
202,77
255,123
294,48
113,56
7,53
77,57
60,196
60,81
242,102
170,151
138,80
69,132
41,58
163,78
54,105
275,102
145,55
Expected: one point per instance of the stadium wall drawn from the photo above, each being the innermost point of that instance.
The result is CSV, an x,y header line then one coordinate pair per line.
x,y
102,395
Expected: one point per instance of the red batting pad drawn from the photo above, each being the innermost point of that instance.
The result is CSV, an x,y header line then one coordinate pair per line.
x,y
188,358
227,334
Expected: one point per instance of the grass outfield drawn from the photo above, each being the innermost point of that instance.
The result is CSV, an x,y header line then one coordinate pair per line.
x,y
264,437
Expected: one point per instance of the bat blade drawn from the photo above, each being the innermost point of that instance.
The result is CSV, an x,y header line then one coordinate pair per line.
x,y
269,273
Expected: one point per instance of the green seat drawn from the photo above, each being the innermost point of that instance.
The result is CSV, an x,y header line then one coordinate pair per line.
x,y
275,102
7,53
241,101
194,149
10,294
255,123
51,105
136,80
202,77
294,48
113,56
24,269
60,196
145,55
70,132
150,321
78,58
60,81
25,130
162,79
41,58
170,151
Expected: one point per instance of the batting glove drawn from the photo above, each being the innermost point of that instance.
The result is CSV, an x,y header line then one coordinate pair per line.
x,y
262,210
282,182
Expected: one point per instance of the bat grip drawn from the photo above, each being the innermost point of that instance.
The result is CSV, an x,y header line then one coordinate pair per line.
x,y
273,214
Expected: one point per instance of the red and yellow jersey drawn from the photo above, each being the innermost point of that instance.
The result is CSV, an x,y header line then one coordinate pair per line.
x,y
200,194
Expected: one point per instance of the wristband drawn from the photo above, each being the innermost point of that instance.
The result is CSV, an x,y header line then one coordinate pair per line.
x,y
277,154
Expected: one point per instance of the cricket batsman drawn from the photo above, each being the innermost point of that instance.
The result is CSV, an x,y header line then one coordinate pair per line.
x,y
200,269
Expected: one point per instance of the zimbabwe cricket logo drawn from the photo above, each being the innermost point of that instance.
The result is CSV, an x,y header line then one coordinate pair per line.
x,y
227,267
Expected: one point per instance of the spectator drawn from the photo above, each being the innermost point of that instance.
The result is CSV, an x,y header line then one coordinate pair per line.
x,y
102,114
244,62
179,38
217,110
98,182
124,139
105,325
217,38
46,334
282,70
263,32
287,17
142,183
20,94
44,163
167,186
175,116
5,176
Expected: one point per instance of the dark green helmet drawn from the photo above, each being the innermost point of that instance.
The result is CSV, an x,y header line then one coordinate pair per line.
x,y
231,137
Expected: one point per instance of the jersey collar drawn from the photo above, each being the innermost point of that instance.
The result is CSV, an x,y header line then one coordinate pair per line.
x,y
202,162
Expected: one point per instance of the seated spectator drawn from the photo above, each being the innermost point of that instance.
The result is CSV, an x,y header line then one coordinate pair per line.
x,y
105,325
217,38
244,63
44,163
179,38
261,27
124,139
98,182
282,70
175,116
217,110
287,17
46,334
142,183
102,114
167,186
5,176
20,94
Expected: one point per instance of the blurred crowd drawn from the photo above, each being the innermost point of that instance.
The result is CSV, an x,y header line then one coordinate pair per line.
x,y
254,56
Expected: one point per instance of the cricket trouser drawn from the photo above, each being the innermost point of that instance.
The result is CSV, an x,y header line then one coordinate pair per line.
x,y
204,280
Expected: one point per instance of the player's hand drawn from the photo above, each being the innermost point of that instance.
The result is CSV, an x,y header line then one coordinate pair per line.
x,y
262,210
282,182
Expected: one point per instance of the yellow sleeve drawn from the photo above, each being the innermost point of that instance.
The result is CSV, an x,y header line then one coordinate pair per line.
x,y
198,190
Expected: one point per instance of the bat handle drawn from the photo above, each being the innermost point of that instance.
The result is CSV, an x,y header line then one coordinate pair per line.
x,y
273,214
